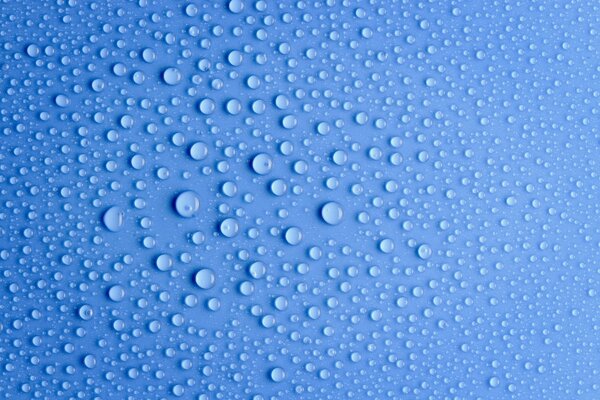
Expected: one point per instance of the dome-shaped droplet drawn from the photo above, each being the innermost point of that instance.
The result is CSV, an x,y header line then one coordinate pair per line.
x,y
424,251
207,106
62,101
89,361
257,269
205,278
116,293
236,6
229,227
293,235
199,151
187,204
171,76
86,312
164,262
332,213
262,163
386,245
277,374
114,218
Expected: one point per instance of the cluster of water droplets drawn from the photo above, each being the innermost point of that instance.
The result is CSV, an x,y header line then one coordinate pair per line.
x,y
309,199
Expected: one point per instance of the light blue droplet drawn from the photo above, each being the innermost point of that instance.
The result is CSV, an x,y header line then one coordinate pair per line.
x,y
86,312
257,269
89,361
187,204
62,101
424,251
229,227
207,106
116,293
332,213
199,151
114,218
262,163
293,235
164,262
277,374
386,245
171,76
236,6
205,278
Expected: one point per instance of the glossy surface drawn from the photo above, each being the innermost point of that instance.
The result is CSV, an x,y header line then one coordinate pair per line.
x,y
321,200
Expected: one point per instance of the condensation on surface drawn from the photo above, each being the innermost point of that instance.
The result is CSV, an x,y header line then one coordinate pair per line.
x,y
327,200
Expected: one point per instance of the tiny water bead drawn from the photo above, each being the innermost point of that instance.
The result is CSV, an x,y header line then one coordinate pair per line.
x,y
114,218
332,213
187,203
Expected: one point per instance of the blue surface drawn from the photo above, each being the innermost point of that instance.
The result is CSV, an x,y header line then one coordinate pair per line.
x,y
299,200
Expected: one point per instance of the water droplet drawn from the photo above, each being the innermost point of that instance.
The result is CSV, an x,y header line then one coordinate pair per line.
x,y
257,269
386,245
236,6
114,218
116,293
164,262
89,361
207,106
86,312
332,213
62,101
199,151
424,251
229,227
171,76
205,278
293,235
262,163
277,374
187,204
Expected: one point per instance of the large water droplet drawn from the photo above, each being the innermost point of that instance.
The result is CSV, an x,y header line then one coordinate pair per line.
x,y
262,163
332,213
171,76
116,293
114,218
187,204
205,278
229,227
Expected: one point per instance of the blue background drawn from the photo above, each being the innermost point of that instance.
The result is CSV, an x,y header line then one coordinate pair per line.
x,y
458,141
